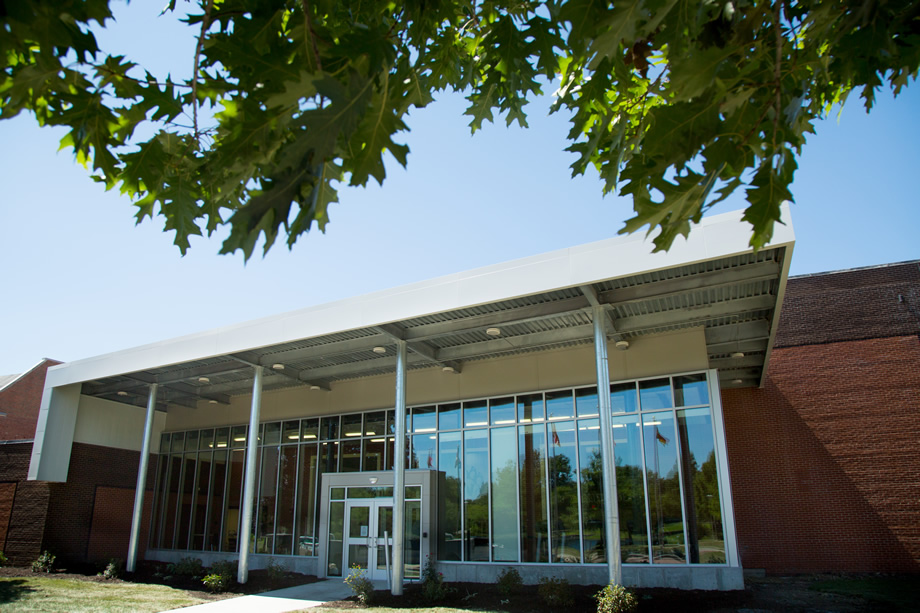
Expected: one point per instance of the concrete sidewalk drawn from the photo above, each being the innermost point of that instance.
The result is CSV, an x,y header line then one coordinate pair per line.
x,y
279,601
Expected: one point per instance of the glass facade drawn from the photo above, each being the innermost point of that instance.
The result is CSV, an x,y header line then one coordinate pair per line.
x,y
522,477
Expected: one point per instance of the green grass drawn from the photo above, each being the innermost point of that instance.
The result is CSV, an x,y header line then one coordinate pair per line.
x,y
899,594
49,594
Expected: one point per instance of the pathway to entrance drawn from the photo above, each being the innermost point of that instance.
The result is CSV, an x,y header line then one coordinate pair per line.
x,y
280,601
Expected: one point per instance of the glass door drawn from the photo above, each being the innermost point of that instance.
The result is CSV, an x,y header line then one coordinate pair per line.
x,y
367,520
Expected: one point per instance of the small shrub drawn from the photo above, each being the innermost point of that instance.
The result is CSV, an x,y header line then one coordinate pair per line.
x,y
226,568
615,599
44,563
555,592
361,586
3,560
509,581
190,567
433,586
276,570
216,583
113,569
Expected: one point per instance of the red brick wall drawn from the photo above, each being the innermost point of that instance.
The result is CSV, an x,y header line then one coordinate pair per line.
x,y
28,504
73,504
7,495
113,509
21,402
825,459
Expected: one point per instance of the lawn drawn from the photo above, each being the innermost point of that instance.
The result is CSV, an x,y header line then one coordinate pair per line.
x,y
42,593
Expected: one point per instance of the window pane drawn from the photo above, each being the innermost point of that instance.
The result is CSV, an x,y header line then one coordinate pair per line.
x,y
412,541
309,429
191,440
475,413
336,532
374,424
200,501
623,398
705,541
329,458
450,534
351,456
559,405
238,436
449,416
504,494
502,411
374,451
290,431
272,434
424,451
234,497
306,501
268,481
586,404
424,419
666,517
690,390
216,501
476,495
221,438
287,486
178,441
655,394
627,451
532,460
352,425
591,474
329,428
164,442
530,408
206,440
185,500
563,493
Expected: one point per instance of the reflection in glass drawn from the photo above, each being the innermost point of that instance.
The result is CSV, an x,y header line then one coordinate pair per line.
x,y
449,416
530,408
563,493
559,405
475,414
374,453
665,515
532,459
336,540
690,390
504,494
586,402
287,488
623,398
306,502
185,500
655,394
591,475
375,423
450,534
200,501
501,410
271,433
352,425
705,540
216,501
412,540
424,419
234,497
265,530
627,451
424,452
476,495
351,456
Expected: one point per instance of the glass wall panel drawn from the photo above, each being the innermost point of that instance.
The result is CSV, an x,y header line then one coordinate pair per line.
x,y
559,405
586,402
164,443
627,451
375,423
287,489
705,540
216,500
591,474
374,452
309,429
412,541
449,461
655,394
691,390
206,440
238,436
449,416
530,408
306,501
200,502
178,441
623,398
351,456
532,460
186,498
563,493
504,493
162,493
666,517
476,495
329,428
290,432
501,410
221,438
271,433
191,440
336,540
424,419
268,482
424,452
475,414
352,425
231,537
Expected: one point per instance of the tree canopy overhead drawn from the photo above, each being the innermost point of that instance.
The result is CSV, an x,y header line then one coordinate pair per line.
x,y
676,103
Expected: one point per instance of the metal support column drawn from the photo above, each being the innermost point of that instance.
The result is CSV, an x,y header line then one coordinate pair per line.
x,y
141,481
611,508
399,472
249,485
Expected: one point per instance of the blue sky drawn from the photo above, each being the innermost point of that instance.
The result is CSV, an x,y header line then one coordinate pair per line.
x,y
80,279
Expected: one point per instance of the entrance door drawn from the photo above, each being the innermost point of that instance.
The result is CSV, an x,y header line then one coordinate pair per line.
x,y
367,521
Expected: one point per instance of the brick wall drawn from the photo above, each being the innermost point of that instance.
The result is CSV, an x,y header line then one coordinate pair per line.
x,y
825,459
21,401
110,531
73,504
27,504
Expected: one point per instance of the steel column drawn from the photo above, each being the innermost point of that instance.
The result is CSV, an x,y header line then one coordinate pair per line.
x,y
611,509
399,472
249,486
141,481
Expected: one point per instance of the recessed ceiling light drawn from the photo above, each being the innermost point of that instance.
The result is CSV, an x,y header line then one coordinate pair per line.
x,y
448,369
622,345
122,393
494,331
315,387
203,380
380,350
212,401
277,366
737,355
